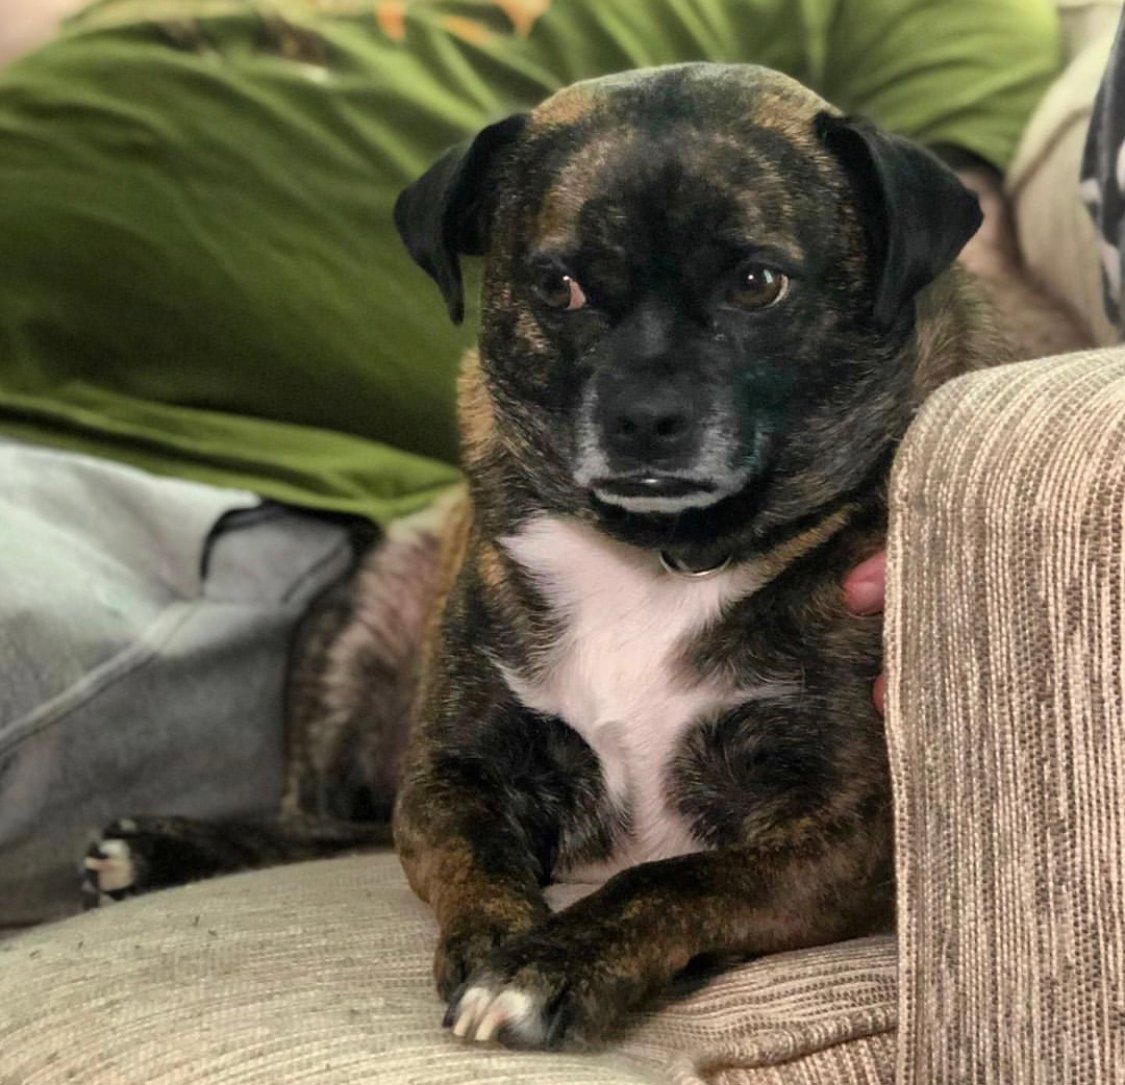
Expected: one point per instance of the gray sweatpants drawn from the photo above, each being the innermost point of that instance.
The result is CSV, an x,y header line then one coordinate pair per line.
x,y
144,626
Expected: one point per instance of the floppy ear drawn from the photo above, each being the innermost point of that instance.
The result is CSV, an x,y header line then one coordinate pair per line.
x,y
916,212
444,214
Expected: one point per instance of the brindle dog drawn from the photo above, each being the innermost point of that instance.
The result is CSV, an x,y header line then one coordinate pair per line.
x,y
711,305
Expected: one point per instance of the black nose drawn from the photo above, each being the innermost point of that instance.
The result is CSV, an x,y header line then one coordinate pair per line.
x,y
653,423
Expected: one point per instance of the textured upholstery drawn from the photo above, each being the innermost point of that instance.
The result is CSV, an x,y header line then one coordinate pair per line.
x,y
1007,692
321,972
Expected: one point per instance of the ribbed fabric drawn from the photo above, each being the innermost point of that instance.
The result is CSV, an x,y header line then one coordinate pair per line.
x,y
776,1014
860,1062
321,973
1006,694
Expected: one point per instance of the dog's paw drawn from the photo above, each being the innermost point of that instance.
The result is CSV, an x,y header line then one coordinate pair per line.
x,y
110,868
529,1010
137,855
463,952
491,1008
539,992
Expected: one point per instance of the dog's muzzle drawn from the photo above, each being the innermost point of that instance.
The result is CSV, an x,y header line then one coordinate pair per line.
x,y
655,448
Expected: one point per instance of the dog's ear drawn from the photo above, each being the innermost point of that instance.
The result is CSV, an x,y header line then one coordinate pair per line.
x,y
444,214
916,212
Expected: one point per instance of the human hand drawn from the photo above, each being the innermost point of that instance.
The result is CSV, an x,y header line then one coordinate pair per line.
x,y
865,590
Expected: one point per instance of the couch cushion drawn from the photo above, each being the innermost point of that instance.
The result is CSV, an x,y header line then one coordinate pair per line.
x,y
321,972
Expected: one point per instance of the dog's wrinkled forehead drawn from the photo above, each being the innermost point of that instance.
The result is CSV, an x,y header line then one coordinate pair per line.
x,y
734,147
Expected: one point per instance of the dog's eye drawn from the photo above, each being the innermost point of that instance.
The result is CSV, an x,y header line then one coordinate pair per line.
x,y
758,287
560,291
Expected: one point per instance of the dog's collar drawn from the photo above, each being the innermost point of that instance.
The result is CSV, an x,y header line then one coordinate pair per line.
x,y
679,568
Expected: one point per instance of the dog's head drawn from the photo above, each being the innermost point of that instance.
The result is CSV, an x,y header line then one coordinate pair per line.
x,y
698,295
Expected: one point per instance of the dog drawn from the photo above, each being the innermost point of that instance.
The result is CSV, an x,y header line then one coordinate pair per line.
x,y
711,305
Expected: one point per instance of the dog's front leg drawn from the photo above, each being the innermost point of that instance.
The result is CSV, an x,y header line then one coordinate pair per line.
x,y
465,852
572,978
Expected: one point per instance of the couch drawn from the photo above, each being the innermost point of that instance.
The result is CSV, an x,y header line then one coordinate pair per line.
x,y
1005,644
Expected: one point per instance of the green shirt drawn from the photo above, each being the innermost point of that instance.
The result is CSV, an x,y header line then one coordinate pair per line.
x,y
198,271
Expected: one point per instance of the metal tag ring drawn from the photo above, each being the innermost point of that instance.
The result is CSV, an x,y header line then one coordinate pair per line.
x,y
678,568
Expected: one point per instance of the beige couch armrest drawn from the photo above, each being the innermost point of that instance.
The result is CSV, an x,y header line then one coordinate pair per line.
x,y
1006,723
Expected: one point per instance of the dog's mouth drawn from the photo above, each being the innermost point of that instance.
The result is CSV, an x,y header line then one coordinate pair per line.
x,y
653,492
652,485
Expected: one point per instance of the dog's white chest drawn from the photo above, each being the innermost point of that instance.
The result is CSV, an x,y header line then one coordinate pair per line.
x,y
617,673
